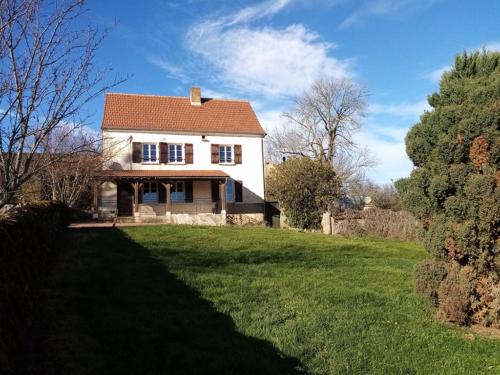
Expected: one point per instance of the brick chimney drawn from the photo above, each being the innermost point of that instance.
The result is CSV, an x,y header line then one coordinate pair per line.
x,y
195,95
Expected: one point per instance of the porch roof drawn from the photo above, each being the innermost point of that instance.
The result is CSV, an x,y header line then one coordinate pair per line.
x,y
147,173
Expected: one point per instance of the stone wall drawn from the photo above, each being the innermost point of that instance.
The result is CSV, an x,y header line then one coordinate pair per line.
x,y
246,219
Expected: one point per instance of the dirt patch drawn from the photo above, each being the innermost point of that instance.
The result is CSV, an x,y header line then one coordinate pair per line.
x,y
486,331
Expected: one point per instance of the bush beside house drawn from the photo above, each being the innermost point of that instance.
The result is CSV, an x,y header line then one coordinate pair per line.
x,y
30,240
304,188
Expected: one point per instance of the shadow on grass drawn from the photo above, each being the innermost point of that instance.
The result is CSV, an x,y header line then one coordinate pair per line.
x,y
114,309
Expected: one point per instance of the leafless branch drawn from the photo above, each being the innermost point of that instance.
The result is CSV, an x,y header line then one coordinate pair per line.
x,y
47,75
322,125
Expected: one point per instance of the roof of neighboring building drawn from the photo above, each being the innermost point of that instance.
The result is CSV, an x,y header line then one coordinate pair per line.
x,y
184,173
170,113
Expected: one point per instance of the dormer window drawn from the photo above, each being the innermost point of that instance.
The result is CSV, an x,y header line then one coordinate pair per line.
x,y
225,154
175,153
149,153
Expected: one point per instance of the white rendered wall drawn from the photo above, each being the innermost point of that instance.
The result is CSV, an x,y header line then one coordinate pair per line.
x,y
250,171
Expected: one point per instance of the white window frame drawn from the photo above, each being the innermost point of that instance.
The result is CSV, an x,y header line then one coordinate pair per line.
x,y
149,144
183,156
225,152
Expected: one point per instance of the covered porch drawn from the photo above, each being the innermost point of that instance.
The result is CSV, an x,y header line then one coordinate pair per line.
x,y
171,196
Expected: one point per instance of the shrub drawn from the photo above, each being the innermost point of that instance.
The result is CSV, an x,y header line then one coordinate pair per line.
x,y
30,238
428,277
386,197
387,224
492,317
305,188
486,304
454,189
396,225
456,294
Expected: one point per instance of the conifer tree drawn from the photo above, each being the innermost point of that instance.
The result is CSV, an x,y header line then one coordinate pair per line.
x,y
455,190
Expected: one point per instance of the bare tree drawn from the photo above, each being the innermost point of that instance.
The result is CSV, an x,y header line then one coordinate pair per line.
x,y
321,126
351,167
323,120
68,178
47,74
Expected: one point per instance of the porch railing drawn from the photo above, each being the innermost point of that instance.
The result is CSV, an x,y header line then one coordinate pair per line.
x,y
197,206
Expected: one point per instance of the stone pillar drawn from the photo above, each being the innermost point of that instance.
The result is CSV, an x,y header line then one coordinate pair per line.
x,y
368,204
326,223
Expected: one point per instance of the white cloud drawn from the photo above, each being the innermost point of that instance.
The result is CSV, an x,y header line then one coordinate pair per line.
x,y
400,110
435,75
274,62
383,134
215,94
270,119
388,147
489,46
173,71
264,9
370,8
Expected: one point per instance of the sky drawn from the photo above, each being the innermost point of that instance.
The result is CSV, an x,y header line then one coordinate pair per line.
x,y
271,51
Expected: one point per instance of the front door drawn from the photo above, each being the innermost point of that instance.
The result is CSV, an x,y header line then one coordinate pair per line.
x,y
125,199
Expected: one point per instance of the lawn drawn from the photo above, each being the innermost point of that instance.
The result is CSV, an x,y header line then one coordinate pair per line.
x,y
224,300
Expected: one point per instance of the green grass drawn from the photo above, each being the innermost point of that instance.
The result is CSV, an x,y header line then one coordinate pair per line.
x,y
179,299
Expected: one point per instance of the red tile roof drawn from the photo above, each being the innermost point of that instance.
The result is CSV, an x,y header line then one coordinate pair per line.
x,y
169,113
184,173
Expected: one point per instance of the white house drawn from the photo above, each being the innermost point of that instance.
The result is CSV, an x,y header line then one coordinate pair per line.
x,y
182,159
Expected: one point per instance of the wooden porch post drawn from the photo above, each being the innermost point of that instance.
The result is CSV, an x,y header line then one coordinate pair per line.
x,y
135,185
95,200
222,196
168,202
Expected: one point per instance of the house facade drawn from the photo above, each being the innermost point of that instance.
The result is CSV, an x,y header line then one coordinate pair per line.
x,y
189,160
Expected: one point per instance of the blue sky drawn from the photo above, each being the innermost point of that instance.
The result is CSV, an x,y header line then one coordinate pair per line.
x,y
270,51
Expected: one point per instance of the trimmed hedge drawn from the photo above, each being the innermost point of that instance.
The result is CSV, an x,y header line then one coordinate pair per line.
x,y
30,239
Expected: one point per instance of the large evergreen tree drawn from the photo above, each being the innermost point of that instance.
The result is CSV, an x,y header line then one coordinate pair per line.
x,y
455,191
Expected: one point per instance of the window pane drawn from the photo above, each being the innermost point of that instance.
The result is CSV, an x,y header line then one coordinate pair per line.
x,y
152,152
228,154
222,155
230,191
171,156
179,153
145,152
